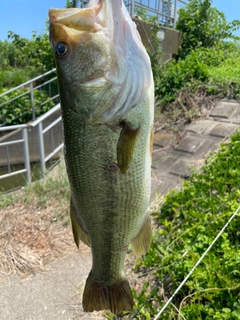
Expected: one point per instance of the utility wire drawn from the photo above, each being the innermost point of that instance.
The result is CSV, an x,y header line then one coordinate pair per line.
x,y
198,262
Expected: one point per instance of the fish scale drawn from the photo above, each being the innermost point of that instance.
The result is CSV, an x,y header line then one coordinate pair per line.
x,y
107,97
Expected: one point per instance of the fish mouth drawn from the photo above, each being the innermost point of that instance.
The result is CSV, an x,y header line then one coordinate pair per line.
x,y
91,19
101,15
74,18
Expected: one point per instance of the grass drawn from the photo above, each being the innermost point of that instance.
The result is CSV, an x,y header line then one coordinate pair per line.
x,y
188,222
186,89
35,224
54,186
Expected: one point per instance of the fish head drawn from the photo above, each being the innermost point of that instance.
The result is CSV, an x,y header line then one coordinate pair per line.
x,y
103,68
82,50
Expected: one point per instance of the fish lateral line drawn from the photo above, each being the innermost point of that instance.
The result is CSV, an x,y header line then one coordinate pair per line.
x,y
121,251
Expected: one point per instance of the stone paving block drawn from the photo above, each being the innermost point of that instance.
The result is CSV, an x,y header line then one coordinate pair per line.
x,y
181,169
200,126
207,146
224,109
235,117
171,165
164,185
161,164
189,144
223,130
162,139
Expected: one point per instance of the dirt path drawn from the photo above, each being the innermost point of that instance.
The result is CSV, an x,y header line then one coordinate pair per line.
x,y
53,294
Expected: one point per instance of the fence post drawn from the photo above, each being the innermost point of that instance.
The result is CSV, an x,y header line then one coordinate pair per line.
x,y
41,149
132,8
175,14
32,101
26,155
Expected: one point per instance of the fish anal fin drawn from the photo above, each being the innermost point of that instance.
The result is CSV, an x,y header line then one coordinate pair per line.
x,y
78,233
141,243
115,297
125,146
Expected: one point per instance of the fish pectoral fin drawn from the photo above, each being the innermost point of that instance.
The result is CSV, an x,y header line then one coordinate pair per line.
x,y
141,243
116,297
125,145
78,233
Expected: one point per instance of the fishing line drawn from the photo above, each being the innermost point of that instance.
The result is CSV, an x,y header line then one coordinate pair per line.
x,y
161,282
207,225
149,40
154,52
198,262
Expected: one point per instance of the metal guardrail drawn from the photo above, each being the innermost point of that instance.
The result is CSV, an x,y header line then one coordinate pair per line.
x,y
25,144
164,10
36,92
39,124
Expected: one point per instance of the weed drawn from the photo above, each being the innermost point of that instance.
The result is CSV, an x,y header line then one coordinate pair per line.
x,y
189,220
7,199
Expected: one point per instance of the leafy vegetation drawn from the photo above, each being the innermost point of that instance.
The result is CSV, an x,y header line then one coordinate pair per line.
x,y
21,60
188,222
203,26
205,69
35,53
190,219
20,110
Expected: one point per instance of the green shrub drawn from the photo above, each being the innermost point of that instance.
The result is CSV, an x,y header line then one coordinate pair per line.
x,y
19,110
189,220
203,26
12,77
215,69
177,75
35,53
8,54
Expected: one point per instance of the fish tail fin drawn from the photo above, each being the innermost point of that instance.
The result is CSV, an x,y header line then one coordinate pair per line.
x,y
101,296
141,243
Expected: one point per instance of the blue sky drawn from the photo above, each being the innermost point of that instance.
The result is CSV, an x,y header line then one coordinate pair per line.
x,y
24,16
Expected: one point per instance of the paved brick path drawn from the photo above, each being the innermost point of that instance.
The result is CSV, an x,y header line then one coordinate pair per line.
x,y
176,159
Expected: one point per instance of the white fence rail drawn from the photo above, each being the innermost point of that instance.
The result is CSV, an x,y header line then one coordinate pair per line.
x,y
25,144
39,124
37,92
164,10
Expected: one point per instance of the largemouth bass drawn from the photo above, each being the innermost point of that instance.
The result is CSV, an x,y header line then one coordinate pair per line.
x,y
107,97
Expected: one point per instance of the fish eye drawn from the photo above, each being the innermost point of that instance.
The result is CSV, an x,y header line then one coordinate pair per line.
x,y
61,49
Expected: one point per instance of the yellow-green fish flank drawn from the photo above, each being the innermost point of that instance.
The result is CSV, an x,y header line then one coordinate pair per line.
x,y
106,92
